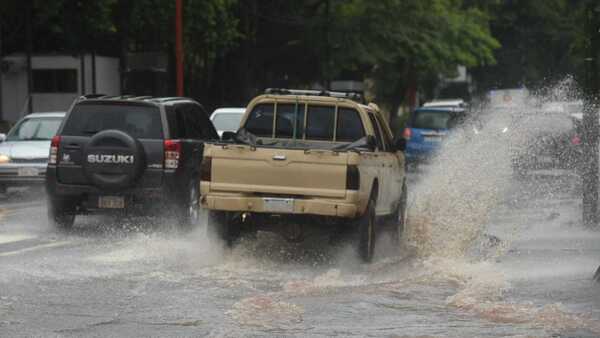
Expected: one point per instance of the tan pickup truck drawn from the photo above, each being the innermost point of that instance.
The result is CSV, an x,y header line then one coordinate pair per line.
x,y
305,159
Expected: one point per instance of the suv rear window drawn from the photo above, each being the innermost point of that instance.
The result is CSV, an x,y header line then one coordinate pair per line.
x,y
137,121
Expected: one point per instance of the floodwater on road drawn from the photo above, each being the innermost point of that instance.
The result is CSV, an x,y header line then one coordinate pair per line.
x,y
485,253
527,274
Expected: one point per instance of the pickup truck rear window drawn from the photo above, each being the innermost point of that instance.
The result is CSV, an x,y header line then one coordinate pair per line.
x,y
349,126
320,122
285,120
260,121
137,121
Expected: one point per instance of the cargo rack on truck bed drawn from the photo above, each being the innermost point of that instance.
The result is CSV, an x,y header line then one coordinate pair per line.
x,y
307,92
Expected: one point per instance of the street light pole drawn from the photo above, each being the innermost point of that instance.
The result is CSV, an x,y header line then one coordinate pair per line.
x,y
179,46
590,120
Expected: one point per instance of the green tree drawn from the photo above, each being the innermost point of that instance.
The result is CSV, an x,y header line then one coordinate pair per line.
x,y
404,43
541,42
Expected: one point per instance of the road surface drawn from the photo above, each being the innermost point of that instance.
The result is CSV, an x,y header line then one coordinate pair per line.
x,y
526,271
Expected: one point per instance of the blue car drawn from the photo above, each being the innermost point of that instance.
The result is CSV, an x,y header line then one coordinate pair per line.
x,y
426,129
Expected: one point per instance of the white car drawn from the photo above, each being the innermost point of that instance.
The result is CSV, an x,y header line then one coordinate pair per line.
x,y
24,150
227,119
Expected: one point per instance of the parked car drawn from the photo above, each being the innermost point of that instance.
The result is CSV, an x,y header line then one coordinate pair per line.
x,y
227,119
24,150
130,155
307,158
426,129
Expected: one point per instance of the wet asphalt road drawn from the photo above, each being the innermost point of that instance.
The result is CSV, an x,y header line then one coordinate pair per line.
x,y
528,274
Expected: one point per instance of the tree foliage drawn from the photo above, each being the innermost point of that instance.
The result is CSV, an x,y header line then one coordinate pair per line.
x,y
236,48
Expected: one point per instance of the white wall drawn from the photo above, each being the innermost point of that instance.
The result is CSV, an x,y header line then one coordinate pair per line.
x,y
14,84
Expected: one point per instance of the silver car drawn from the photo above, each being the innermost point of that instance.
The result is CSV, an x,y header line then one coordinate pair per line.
x,y
24,150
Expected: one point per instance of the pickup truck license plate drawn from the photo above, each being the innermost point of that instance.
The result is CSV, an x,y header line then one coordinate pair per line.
x,y
111,202
28,172
283,205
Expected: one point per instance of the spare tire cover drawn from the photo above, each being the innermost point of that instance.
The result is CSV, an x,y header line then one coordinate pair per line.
x,y
113,160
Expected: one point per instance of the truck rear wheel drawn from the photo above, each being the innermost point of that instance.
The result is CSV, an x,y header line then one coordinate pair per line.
x,y
223,226
366,233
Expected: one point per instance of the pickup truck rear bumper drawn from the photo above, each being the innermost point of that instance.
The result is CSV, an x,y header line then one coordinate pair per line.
x,y
313,206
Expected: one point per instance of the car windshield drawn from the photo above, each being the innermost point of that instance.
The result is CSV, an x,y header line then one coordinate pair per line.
x,y
227,121
35,129
137,121
435,119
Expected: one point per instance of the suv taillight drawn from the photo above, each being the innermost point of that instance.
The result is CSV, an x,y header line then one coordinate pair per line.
x,y
172,154
54,144
205,169
352,178
407,134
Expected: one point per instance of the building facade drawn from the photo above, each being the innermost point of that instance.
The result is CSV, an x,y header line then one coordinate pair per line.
x,y
56,81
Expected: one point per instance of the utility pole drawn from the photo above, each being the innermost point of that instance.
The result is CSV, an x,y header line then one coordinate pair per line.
x,y
327,46
179,46
1,75
590,119
29,49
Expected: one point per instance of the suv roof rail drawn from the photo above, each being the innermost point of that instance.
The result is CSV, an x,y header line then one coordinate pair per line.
x,y
342,95
130,97
143,97
92,96
169,99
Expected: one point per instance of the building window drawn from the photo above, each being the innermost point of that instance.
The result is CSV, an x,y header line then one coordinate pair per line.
x,y
54,80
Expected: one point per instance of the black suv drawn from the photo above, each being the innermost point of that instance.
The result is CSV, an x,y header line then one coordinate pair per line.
x,y
128,154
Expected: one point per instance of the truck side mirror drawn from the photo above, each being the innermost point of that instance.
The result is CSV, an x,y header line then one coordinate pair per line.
x,y
2,137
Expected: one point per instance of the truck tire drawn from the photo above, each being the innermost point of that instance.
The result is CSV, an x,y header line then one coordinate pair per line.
x,y
366,232
225,228
398,218
61,215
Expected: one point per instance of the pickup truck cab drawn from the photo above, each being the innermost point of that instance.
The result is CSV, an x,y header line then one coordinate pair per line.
x,y
306,158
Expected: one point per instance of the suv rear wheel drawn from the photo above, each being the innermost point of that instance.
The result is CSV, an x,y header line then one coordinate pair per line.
x,y
61,214
189,212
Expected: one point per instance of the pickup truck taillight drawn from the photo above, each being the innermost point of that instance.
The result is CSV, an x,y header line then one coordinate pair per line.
x,y
352,178
205,169
407,134
54,144
172,154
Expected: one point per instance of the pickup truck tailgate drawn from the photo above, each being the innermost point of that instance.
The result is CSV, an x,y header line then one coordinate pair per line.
x,y
240,168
